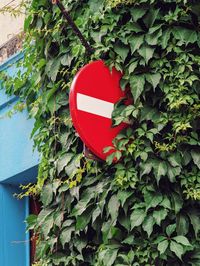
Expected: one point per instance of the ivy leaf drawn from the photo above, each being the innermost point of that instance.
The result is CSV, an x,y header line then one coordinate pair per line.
x,y
108,256
63,161
31,221
166,203
137,217
177,202
195,220
136,42
196,157
47,225
182,240
153,79
162,246
148,225
54,69
107,230
164,39
146,52
185,35
173,172
138,13
175,159
151,16
83,220
152,200
152,39
47,194
170,229
177,249
182,224
160,169
65,235
132,67
146,168
122,50
137,86
123,195
113,207
160,215
96,214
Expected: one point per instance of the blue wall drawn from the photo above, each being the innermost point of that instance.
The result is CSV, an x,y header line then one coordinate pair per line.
x,y
18,165
16,148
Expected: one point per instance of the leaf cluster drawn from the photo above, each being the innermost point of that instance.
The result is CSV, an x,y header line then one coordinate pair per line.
x,y
144,209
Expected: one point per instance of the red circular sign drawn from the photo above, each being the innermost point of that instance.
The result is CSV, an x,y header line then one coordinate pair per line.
x,y
93,94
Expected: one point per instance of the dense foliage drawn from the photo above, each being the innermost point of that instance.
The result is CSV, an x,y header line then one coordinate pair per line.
x,y
143,210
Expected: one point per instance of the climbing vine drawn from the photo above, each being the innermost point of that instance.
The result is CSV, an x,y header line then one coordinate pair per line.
x,y
143,210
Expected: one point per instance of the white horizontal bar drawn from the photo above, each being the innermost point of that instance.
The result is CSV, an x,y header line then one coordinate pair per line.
x,y
94,106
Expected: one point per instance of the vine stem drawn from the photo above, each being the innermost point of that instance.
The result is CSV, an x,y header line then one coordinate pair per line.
x,y
76,30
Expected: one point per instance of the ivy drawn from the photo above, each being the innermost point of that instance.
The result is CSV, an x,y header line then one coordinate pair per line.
x,y
144,208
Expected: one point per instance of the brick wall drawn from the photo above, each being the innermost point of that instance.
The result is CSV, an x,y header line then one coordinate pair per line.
x,y
11,28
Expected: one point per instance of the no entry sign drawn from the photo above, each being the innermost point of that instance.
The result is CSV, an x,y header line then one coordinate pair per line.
x,y
93,94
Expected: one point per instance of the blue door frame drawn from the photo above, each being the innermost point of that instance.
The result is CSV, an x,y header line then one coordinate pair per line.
x,y
18,165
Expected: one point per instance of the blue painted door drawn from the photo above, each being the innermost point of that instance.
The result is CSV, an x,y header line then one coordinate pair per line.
x,y
14,242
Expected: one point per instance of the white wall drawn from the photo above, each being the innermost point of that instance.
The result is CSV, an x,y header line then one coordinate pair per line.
x,y
9,25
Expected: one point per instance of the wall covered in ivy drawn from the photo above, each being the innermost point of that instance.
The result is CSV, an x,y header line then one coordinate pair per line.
x,y
143,210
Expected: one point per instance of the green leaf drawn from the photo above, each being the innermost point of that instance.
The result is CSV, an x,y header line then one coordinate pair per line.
x,y
137,217
31,221
182,224
82,204
182,240
146,168
160,169
177,249
137,86
152,200
63,161
138,13
185,35
166,203
148,225
136,42
195,220
153,79
83,220
164,39
107,230
177,202
47,225
123,195
152,39
122,50
151,17
132,67
160,215
54,69
113,207
47,194
196,157
170,229
173,172
175,159
65,235
162,246
108,256
146,52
